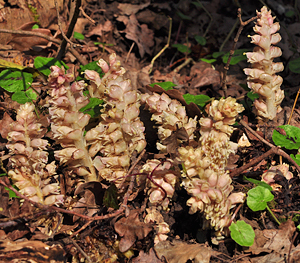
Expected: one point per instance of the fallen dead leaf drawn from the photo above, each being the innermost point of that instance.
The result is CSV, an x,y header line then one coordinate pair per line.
x,y
180,252
147,257
131,228
5,125
100,28
140,34
129,9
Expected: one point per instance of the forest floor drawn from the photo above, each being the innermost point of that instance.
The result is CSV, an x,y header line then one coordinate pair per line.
x,y
137,31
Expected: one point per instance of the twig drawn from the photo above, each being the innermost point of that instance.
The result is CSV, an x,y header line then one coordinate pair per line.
x,y
81,250
273,150
127,57
69,33
294,106
60,26
226,68
86,16
210,16
82,60
164,48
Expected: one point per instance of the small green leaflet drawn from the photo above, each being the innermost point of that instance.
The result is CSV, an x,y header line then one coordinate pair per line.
x,y
77,35
291,140
242,233
15,80
43,64
252,96
261,183
218,54
10,192
183,16
165,85
182,48
296,158
23,97
294,65
237,56
199,100
93,107
35,26
90,66
258,197
200,40
210,61
110,198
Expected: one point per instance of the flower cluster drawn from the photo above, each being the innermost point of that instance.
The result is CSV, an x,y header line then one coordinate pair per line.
x,y
30,170
169,116
205,177
120,132
262,78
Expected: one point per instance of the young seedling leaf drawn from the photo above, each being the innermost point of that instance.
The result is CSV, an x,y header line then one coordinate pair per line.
x,y
93,107
15,80
165,85
218,54
35,26
199,100
252,96
242,233
296,158
207,60
43,64
182,48
239,55
77,35
183,16
294,65
201,40
256,182
258,197
110,198
291,140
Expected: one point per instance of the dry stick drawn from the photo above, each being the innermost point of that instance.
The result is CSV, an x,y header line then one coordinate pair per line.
x,y
69,33
81,250
294,106
273,149
226,68
164,48
49,38
86,16
7,184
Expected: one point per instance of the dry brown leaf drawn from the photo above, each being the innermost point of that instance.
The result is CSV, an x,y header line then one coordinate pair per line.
x,y
131,228
5,125
129,9
30,251
147,258
100,28
180,252
140,34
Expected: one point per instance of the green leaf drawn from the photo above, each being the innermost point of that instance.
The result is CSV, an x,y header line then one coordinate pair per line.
x,y
165,85
110,198
201,40
258,197
237,56
210,61
103,44
31,94
91,66
35,26
183,16
15,80
218,54
199,100
43,64
296,158
289,141
290,13
294,65
252,96
93,107
256,182
182,48
20,97
77,35
242,233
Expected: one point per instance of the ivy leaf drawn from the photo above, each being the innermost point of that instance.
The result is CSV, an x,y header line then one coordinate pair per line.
x,y
199,100
93,107
258,197
296,158
165,85
110,198
200,40
252,96
294,65
43,64
257,182
242,233
15,80
218,54
291,140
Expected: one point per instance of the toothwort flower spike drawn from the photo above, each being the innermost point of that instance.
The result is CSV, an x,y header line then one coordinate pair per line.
x,y
262,78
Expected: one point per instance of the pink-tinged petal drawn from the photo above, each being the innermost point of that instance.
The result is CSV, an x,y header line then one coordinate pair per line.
x,y
103,65
93,76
